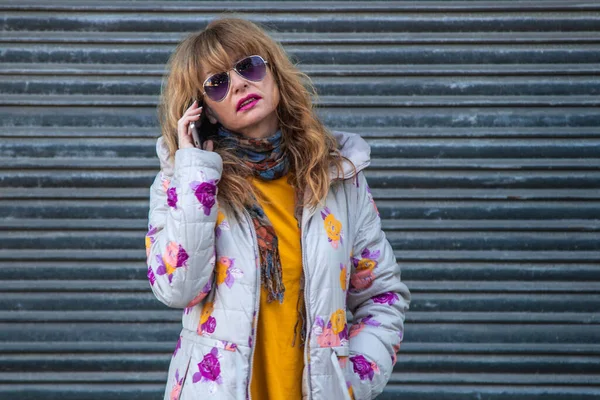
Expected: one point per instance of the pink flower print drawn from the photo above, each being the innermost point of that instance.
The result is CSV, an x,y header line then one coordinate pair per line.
x,y
362,367
172,197
360,280
227,345
209,369
328,338
396,348
385,298
201,295
205,192
177,347
356,328
174,257
176,391
165,182
151,276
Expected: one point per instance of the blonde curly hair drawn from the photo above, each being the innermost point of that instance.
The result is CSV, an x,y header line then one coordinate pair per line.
x,y
311,148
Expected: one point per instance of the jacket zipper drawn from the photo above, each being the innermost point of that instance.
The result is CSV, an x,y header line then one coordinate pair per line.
x,y
306,305
256,306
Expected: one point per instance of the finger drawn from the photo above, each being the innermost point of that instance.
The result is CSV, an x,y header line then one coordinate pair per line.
x,y
208,145
185,121
193,105
193,111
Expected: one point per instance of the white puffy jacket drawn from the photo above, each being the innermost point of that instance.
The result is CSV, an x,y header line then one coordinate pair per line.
x,y
191,239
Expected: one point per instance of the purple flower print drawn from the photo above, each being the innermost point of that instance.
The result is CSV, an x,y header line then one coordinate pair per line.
x,y
362,367
373,255
209,369
151,276
172,197
344,333
318,326
385,298
210,325
151,230
175,257
205,192
162,269
177,346
369,320
182,257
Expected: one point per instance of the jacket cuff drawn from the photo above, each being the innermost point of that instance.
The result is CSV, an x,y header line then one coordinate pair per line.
x,y
193,157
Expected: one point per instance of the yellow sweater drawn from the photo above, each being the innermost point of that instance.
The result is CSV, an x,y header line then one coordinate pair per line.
x,y
277,367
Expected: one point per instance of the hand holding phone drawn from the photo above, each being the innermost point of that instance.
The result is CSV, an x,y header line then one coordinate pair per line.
x,y
196,135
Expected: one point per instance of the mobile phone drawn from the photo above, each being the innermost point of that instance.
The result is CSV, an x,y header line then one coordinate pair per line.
x,y
195,134
201,129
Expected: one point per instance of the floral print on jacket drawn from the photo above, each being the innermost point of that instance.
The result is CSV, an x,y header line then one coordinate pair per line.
x,y
333,228
200,259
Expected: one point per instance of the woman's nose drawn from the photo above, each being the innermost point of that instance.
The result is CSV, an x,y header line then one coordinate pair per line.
x,y
238,84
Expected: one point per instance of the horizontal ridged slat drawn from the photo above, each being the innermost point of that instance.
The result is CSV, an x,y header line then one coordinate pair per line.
x,y
484,124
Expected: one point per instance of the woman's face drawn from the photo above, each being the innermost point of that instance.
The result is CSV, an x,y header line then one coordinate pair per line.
x,y
255,119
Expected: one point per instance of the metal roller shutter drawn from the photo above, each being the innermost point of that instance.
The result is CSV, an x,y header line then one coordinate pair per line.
x,y
484,122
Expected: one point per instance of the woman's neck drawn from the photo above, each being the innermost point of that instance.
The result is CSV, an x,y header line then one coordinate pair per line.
x,y
262,129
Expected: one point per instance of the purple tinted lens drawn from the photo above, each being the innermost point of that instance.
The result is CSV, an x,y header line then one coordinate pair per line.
x,y
216,86
252,68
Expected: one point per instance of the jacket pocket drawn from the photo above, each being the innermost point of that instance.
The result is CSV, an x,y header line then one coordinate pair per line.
x,y
181,372
217,370
338,373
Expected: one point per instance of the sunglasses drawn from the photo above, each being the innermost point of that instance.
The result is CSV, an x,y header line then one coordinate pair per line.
x,y
252,68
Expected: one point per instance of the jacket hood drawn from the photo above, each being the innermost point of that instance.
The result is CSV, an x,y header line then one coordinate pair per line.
x,y
356,149
351,145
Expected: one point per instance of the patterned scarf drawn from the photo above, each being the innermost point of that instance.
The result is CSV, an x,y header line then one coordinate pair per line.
x,y
268,161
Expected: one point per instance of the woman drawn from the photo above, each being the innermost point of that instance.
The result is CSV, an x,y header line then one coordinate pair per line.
x,y
267,234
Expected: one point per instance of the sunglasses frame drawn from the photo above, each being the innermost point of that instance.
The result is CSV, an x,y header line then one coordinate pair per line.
x,y
229,78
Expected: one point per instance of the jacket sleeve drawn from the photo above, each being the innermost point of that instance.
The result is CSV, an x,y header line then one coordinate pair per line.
x,y
181,227
377,299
